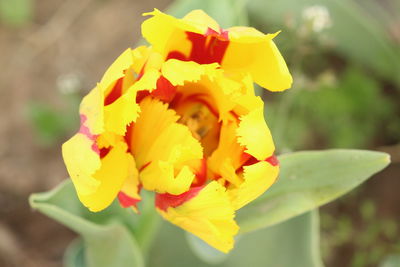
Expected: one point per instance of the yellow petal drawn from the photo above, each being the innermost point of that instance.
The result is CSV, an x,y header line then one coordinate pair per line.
x,y
129,193
201,20
121,112
162,148
114,170
81,162
209,215
171,37
254,135
160,177
116,70
250,51
178,72
228,153
257,179
92,110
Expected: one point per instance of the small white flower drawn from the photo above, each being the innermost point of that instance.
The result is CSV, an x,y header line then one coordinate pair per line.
x,y
318,16
69,83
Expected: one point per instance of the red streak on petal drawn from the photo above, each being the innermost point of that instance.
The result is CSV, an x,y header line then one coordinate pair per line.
x,y
85,131
141,95
115,93
201,176
164,201
165,91
176,55
127,201
273,160
144,166
128,135
104,151
207,48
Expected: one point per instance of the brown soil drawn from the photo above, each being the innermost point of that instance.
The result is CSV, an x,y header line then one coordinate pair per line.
x,y
72,36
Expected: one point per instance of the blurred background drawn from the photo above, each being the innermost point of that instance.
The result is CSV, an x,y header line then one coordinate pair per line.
x,y
344,57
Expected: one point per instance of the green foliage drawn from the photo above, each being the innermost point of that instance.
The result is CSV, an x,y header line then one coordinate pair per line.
x,y
356,32
51,124
117,237
292,243
348,113
308,180
106,241
16,12
374,236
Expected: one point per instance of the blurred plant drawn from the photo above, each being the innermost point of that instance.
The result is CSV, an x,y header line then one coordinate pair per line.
x,y
16,12
50,123
375,236
348,112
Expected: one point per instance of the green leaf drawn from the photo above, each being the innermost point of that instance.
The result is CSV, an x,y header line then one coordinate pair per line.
x,y
308,180
74,256
292,243
106,241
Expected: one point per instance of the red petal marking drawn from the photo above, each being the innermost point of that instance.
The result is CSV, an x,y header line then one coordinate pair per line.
x,y
201,176
128,135
273,160
144,166
206,48
115,93
104,151
165,91
127,201
141,95
85,131
164,201
176,55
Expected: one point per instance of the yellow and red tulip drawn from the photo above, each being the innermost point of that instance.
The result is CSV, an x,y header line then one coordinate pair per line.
x,y
180,118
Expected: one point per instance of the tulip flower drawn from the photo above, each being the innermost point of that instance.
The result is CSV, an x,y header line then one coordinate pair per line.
x,y
180,119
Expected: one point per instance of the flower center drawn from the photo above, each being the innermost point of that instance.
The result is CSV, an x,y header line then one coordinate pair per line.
x,y
202,123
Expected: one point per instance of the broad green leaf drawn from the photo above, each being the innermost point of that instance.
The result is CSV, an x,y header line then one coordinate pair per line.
x,y
292,243
74,255
308,180
107,242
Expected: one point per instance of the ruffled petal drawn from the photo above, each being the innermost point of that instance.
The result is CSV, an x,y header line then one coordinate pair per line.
x,y
256,53
121,112
208,215
162,148
178,72
116,70
114,170
257,179
92,109
82,161
171,37
254,135
97,181
129,193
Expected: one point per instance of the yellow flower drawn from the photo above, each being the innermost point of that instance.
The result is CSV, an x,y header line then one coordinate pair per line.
x,y
199,38
189,129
